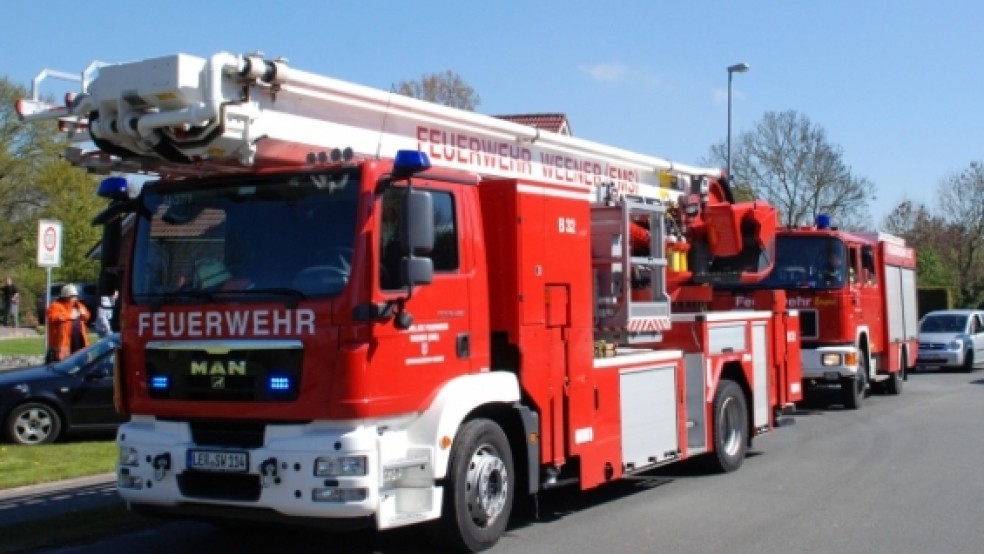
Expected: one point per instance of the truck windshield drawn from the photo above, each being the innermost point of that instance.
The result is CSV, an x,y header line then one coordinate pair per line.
x,y
283,235
807,262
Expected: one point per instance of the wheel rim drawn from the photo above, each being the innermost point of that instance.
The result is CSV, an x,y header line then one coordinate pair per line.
x,y
731,418
33,426
487,486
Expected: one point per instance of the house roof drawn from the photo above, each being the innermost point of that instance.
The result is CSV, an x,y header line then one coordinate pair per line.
x,y
554,122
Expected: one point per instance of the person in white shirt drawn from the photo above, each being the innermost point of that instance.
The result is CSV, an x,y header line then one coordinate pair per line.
x,y
102,326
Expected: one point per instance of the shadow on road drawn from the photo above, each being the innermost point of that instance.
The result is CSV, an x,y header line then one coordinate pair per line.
x,y
44,501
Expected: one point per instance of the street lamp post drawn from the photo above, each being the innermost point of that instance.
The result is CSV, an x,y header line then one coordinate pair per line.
x,y
737,68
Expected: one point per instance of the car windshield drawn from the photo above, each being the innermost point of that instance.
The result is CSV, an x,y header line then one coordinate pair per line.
x,y
74,363
289,236
943,323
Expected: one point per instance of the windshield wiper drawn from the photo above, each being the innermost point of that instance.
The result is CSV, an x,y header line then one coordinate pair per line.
x,y
155,300
293,296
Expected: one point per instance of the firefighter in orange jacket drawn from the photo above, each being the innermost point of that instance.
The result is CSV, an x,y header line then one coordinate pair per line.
x,y
67,318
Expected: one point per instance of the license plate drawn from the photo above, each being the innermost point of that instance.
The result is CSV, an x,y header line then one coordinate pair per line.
x,y
218,460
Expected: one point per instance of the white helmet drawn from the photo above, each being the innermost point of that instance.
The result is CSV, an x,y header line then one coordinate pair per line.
x,y
69,290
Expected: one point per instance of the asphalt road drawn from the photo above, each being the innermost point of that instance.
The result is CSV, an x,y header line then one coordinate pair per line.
x,y
902,475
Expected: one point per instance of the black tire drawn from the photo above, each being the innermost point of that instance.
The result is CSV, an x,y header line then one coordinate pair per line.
x,y
479,488
853,388
968,364
893,386
730,428
33,423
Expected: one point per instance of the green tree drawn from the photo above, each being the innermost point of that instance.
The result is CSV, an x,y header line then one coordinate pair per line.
x,y
447,88
960,198
25,150
71,199
952,232
36,183
931,271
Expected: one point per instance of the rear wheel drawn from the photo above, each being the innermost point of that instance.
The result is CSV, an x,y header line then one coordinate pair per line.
x,y
480,487
33,423
894,384
730,428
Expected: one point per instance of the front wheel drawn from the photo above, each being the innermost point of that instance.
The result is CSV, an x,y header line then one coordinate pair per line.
x,y
853,390
969,362
730,428
480,487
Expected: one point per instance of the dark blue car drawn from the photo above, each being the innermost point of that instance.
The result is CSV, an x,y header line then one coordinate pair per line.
x,y
41,404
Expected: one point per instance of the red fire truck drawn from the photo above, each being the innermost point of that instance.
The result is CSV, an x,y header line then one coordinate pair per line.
x,y
345,304
856,297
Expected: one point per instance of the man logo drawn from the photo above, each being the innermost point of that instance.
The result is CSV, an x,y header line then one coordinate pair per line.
x,y
218,381
218,367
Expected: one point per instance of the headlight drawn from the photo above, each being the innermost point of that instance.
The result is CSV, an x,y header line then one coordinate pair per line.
x,y
830,358
340,466
129,456
955,344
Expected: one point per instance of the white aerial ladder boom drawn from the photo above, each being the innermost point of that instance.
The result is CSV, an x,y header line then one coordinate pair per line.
x,y
186,115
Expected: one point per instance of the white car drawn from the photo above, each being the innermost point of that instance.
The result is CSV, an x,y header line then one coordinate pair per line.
x,y
951,339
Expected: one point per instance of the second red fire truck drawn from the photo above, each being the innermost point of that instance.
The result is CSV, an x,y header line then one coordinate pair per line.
x,y
350,306
856,298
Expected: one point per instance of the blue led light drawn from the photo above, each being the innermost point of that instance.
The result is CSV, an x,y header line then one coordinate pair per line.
x,y
160,382
279,384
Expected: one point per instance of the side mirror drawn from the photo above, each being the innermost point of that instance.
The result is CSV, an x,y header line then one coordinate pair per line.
x,y
417,225
417,271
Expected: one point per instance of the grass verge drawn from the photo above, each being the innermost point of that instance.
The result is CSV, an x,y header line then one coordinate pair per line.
x,y
27,346
71,528
29,465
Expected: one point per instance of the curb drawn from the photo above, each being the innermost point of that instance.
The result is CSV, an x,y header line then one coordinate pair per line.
x,y
44,488
47,500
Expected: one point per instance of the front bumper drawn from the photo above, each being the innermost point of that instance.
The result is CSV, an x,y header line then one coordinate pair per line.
x,y
940,358
816,372
280,480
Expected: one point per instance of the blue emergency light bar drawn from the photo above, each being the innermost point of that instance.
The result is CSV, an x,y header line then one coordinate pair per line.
x,y
114,188
823,221
409,162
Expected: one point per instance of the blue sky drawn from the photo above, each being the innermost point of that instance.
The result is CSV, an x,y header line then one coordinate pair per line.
x,y
897,84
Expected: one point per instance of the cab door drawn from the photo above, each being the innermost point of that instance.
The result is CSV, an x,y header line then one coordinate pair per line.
x,y
92,400
440,344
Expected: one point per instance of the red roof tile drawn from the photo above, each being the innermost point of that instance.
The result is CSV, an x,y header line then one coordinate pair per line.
x,y
554,122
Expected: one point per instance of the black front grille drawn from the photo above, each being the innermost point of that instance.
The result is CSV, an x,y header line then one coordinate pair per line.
x,y
237,375
237,487
809,324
